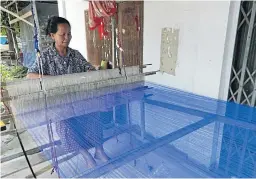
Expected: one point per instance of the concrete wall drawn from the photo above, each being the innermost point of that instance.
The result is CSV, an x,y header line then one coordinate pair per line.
x,y
203,31
73,10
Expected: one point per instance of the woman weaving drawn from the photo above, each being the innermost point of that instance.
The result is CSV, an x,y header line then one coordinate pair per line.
x,y
59,59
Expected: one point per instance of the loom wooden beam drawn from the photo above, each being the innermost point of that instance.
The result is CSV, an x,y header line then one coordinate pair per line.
x,y
145,65
151,73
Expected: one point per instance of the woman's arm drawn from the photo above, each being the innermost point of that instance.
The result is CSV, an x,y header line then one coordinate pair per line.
x,y
88,66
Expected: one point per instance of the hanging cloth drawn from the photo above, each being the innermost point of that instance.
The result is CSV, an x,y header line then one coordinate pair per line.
x,y
99,12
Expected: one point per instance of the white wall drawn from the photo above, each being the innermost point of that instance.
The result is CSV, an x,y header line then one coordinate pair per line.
x,y
203,28
73,10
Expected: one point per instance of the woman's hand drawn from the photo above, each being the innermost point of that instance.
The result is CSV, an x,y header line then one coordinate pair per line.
x,y
91,68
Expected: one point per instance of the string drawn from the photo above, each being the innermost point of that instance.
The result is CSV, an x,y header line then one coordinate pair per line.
x,y
41,73
167,110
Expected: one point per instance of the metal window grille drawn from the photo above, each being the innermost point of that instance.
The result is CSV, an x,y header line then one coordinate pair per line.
x,y
242,88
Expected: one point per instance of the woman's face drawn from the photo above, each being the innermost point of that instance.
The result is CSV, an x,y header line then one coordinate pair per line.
x,y
63,36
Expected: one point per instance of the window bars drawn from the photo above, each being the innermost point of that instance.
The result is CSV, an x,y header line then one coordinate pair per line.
x,y
242,88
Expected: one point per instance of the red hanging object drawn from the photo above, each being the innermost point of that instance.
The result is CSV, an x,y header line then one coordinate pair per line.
x,y
100,11
137,22
101,29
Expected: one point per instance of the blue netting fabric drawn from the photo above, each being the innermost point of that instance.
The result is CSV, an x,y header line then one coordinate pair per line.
x,y
105,134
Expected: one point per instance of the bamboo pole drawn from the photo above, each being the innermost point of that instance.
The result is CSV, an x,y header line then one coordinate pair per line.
x,y
15,15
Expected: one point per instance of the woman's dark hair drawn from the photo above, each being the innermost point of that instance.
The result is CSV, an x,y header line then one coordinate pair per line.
x,y
52,25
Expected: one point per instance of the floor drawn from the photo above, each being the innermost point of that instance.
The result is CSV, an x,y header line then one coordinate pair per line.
x,y
13,162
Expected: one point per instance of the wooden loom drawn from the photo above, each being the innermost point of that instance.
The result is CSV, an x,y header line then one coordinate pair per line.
x,y
28,95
